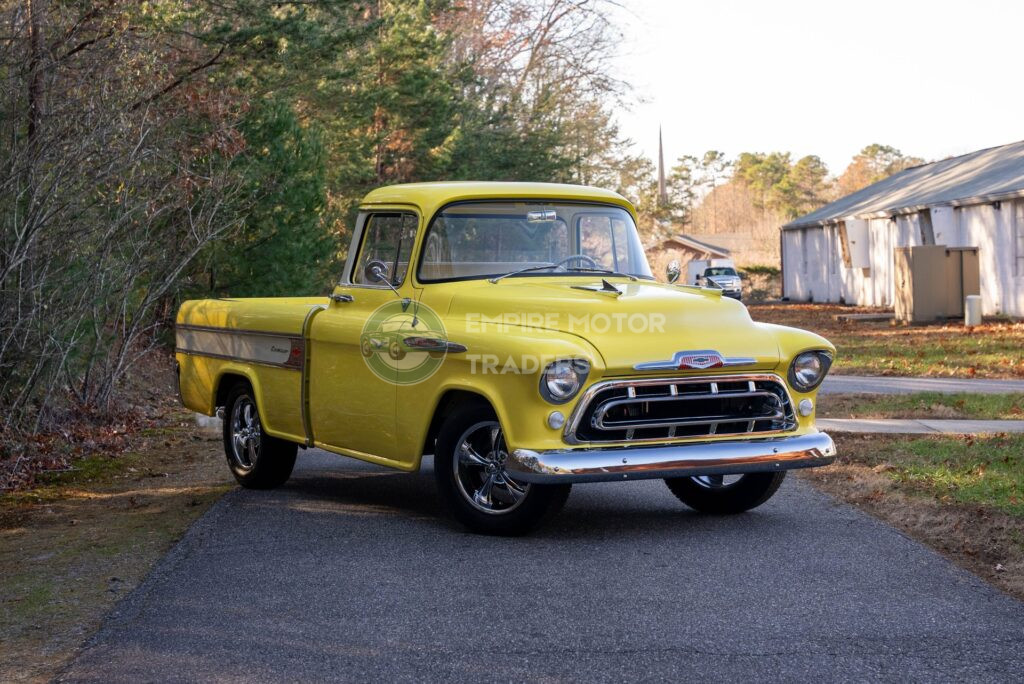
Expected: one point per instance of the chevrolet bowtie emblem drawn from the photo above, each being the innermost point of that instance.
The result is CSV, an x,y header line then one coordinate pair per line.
x,y
696,360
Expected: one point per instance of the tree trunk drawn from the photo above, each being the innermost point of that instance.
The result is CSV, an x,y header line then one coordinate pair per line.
x,y
35,10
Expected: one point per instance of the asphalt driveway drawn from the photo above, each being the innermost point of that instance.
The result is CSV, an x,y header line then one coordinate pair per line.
x,y
348,573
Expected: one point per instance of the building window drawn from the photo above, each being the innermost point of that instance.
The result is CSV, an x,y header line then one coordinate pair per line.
x,y
805,235
924,220
844,244
1018,226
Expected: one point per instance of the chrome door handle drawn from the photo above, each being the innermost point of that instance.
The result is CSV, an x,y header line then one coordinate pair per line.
x,y
342,298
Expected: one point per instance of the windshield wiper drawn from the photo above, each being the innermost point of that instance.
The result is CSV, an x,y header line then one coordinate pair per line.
x,y
522,270
606,270
580,269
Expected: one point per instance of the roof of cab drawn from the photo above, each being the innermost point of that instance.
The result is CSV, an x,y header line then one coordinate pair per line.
x,y
429,197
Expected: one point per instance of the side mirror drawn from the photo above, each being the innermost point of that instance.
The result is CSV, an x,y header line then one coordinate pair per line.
x,y
672,271
375,271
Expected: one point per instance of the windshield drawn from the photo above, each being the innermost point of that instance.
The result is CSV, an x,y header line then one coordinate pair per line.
x,y
721,271
489,239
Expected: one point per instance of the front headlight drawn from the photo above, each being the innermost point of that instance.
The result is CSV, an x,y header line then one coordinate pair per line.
x,y
808,369
562,380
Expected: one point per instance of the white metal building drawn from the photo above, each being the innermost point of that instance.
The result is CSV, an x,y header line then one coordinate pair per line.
x,y
843,252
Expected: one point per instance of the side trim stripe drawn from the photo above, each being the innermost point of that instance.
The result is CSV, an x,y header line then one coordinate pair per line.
x,y
234,331
250,346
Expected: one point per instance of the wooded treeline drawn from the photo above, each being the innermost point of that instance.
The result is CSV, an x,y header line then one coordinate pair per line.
x,y
755,193
152,151
156,150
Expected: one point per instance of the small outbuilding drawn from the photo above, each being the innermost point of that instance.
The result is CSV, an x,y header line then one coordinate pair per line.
x,y
683,249
845,251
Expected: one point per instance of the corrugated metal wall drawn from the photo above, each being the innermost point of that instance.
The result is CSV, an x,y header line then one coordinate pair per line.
x,y
814,269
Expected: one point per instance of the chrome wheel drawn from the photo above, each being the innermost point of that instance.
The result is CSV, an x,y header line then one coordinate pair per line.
x,y
717,481
480,472
245,433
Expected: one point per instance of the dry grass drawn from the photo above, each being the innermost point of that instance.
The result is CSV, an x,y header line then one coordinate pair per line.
x,y
959,495
992,350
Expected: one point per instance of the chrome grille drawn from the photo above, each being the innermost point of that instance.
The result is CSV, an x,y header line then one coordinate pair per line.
x,y
668,408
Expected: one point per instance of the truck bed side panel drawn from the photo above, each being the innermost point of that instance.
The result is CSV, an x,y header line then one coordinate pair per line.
x,y
258,339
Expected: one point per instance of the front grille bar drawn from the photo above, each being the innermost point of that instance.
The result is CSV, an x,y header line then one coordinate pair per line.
x,y
775,415
601,423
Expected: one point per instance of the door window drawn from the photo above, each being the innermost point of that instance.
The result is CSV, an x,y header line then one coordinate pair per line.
x,y
387,243
604,239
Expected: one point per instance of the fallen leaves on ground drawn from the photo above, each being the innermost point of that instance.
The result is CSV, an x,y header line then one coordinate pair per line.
x,y
994,349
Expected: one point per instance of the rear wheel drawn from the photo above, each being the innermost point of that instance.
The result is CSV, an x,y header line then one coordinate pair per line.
x,y
726,493
469,465
257,460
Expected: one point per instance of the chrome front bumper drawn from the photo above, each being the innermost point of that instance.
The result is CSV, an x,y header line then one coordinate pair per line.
x,y
677,460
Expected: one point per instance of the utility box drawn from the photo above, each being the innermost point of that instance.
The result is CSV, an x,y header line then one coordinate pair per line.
x,y
932,281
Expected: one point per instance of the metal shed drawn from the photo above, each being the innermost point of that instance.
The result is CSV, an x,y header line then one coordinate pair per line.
x,y
844,252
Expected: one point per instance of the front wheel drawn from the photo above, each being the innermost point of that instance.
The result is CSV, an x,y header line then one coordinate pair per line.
x,y
725,493
469,465
257,460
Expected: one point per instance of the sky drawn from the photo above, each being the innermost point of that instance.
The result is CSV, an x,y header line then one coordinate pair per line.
x,y
933,79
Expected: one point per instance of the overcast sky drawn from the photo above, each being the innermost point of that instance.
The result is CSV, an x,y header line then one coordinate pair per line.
x,y
931,78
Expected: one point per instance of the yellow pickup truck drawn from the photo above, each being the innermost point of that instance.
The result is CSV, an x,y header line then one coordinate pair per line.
x,y
515,332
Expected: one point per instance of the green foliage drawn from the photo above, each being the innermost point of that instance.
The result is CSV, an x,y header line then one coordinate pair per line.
x,y
767,175
284,244
495,147
872,164
391,119
985,470
805,186
173,148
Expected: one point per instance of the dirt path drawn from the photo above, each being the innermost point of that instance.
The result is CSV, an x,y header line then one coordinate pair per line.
x,y
72,548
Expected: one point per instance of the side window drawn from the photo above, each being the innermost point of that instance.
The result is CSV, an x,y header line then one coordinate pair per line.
x,y
387,241
606,240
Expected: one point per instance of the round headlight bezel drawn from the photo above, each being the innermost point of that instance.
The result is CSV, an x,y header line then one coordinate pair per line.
x,y
796,375
574,369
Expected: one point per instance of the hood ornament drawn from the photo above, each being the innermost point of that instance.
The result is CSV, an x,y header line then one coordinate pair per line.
x,y
701,359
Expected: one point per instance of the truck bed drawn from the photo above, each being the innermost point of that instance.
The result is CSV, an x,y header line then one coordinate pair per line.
x,y
220,341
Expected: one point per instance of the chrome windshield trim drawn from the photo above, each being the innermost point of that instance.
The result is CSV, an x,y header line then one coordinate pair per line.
x,y
596,202
569,431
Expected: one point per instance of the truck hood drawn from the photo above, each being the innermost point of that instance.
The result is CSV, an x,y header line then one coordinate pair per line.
x,y
648,322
